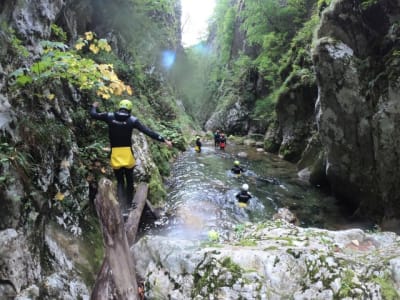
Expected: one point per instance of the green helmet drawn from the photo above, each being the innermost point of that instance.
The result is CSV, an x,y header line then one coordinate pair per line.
x,y
236,162
125,104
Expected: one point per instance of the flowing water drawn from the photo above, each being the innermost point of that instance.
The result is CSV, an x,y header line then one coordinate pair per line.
x,y
202,189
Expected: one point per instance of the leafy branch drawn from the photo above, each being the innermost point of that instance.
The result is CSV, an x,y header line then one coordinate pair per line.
x,y
58,63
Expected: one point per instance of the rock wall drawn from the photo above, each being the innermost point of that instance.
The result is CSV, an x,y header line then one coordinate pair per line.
x,y
356,63
238,98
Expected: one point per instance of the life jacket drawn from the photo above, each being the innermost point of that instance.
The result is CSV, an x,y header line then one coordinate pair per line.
x,y
122,157
222,142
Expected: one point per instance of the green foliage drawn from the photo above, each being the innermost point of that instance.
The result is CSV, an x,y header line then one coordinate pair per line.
x,y
10,155
224,18
242,68
347,284
94,157
174,134
15,44
161,155
265,107
59,64
157,191
322,4
281,33
228,29
388,288
58,33
42,132
365,4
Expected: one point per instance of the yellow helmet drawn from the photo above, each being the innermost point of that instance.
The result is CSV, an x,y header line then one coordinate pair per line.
x,y
125,104
236,163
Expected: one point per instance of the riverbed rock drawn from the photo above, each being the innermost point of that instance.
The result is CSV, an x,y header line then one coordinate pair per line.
x,y
273,260
249,142
285,214
242,154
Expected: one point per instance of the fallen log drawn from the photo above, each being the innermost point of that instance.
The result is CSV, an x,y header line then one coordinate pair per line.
x,y
132,223
117,276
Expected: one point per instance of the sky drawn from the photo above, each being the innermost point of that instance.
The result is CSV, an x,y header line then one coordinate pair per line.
x,y
195,14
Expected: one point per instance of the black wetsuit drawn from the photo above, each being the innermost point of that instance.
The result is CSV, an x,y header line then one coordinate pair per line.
x,y
120,126
243,196
198,144
216,139
237,170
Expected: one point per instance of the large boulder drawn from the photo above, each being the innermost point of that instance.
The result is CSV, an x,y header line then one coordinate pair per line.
x,y
274,260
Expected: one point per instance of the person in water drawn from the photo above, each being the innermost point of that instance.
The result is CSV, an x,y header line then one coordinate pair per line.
x,y
120,126
197,147
216,138
243,196
237,168
222,141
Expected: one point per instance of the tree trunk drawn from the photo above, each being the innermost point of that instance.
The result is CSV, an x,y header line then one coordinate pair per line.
x,y
117,277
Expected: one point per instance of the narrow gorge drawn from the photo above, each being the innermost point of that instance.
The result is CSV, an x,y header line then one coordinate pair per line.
x,y
312,85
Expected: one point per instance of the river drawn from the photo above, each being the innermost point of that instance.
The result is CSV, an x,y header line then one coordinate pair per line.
x,y
202,189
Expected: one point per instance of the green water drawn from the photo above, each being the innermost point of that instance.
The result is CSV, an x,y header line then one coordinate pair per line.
x,y
201,193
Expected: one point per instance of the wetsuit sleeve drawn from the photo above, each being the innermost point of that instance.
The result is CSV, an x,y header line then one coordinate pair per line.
x,y
98,115
147,131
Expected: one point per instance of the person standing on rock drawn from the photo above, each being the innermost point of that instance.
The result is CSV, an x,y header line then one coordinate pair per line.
x,y
120,126
216,138
222,141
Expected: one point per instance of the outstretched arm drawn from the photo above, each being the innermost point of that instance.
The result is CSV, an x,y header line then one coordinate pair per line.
x,y
97,115
147,131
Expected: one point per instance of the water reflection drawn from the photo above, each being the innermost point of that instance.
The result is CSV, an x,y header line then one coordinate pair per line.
x,y
201,193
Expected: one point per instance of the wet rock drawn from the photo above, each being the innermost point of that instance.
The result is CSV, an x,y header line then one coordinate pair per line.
x,y
286,215
19,267
233,119
358,109
242,154
304,174
249,142
59,286
282,260
30,293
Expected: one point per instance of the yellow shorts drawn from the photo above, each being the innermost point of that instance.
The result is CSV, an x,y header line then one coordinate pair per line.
x,y
242,204
122,157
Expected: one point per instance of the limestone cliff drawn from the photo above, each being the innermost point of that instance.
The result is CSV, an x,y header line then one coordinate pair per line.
x,y
356,61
